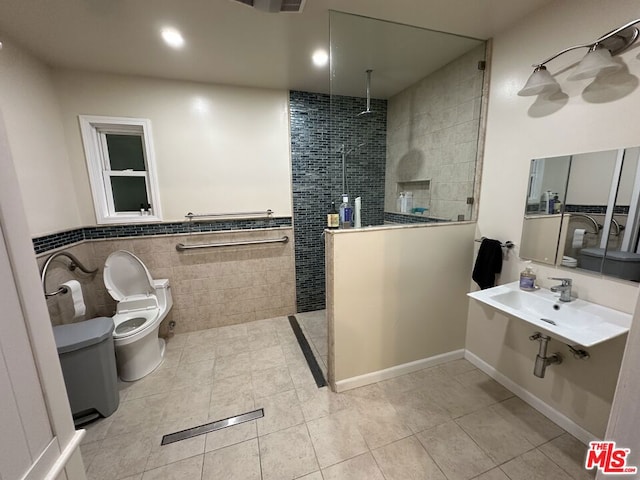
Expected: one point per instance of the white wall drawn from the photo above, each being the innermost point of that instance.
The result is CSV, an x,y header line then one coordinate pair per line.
x,y
590,178
219,149
31,112
522,128
396,295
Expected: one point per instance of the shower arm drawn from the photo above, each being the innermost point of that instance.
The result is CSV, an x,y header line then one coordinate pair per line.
x,y
369,90
344,170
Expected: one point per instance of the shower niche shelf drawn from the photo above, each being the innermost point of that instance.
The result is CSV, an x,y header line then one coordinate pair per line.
x,y
421,190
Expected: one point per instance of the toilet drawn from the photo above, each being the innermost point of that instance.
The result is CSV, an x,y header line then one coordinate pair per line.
x,y
142,305
569,262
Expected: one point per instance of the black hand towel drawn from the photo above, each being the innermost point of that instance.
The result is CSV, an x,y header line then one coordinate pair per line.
x,y
488,263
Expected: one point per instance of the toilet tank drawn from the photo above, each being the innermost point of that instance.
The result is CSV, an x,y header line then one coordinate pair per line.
x,y
163,293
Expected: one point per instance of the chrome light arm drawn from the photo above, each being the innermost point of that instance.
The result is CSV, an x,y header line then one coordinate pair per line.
x,y
628,39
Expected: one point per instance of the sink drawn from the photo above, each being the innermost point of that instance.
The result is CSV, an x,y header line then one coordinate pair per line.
x,y
576,323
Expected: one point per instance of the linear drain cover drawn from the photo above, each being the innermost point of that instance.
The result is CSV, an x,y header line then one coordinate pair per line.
x,y
212,427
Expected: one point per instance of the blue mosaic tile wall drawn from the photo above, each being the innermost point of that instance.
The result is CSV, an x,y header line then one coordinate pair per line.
x,y
320,125
57,240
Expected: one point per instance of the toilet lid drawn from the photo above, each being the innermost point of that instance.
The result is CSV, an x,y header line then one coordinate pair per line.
x,y
125,275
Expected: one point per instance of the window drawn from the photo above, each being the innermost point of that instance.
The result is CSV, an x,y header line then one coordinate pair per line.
x,y
121,164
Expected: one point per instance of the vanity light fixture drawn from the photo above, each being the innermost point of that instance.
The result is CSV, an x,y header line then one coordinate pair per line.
x,y
598,60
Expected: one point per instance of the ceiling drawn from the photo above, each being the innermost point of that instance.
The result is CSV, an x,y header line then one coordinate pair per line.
x,y
230,43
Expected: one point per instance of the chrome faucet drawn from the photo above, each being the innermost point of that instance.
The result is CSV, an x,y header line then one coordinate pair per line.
x,y
564,288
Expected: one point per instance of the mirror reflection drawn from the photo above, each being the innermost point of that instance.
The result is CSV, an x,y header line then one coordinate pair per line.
x,y
582,212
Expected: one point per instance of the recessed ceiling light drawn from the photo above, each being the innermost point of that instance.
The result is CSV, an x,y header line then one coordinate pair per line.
x,y
320,58
172,37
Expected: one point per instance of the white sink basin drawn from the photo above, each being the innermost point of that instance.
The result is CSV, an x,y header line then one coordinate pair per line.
x,y
576,323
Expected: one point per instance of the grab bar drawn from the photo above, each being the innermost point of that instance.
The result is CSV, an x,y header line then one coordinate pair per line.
x,y
619,227
181,246
263,214
73,264
596,225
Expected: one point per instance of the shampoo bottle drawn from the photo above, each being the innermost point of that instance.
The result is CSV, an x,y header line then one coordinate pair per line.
x,y
528,278
346,213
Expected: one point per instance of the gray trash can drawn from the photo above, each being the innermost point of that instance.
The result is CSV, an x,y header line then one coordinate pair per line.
x,y
88,362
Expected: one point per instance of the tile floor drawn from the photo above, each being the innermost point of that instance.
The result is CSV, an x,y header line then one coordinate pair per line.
x,y
449,422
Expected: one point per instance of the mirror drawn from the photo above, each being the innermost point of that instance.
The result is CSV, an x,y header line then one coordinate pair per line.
x,y
409,151
582,212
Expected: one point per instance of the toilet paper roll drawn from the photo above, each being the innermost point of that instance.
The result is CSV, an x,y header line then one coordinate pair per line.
x,y
578,238
79,308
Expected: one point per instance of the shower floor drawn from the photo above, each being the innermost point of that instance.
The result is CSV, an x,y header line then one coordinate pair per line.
x,y
447,422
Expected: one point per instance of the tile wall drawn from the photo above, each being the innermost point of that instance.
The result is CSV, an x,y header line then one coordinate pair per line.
x,y
320,124
210,287
433,135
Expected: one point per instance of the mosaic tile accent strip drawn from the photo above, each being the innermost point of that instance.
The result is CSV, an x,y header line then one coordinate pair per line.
x,y
597,209
320,125
57,240
394,217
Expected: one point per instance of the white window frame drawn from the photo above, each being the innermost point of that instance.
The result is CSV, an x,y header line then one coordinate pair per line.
x,y
94,130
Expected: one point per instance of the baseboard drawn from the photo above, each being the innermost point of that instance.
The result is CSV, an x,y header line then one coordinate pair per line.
x,y
387,373
551,413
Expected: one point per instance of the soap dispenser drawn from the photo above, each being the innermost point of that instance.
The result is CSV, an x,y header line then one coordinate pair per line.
x,y
528,278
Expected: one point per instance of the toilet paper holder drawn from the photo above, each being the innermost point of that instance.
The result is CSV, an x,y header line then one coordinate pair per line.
x,y
72,265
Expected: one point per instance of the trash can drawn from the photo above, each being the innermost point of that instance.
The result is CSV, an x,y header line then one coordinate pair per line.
x,y
88,362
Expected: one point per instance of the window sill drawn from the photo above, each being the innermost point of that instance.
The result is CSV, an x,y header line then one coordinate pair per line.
x,y
126,219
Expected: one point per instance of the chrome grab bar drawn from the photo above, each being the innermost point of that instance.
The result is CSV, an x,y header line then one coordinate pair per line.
x,y
597,227
73,264
181,246
264,214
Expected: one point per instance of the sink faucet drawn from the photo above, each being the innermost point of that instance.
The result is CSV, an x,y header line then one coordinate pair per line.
x,y
564,288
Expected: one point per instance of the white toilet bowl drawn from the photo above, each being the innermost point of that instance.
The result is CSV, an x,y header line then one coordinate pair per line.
x,y
142,305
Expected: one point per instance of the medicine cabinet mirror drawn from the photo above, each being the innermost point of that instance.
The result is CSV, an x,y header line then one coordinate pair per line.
x,y
582,212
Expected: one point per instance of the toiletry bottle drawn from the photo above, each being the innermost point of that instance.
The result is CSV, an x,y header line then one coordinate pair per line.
x,y
333,218
409,199
528,278
544,202
142,211
403,202
399,202
346,213
557,204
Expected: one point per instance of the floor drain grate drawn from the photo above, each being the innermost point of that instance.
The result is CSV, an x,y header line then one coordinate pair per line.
x,y
316,371
212,427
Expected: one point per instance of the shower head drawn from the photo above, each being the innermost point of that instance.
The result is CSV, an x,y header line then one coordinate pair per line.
x,y
368,111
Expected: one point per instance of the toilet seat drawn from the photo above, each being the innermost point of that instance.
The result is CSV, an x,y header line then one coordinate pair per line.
x,y
132,322
129,283
125,276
